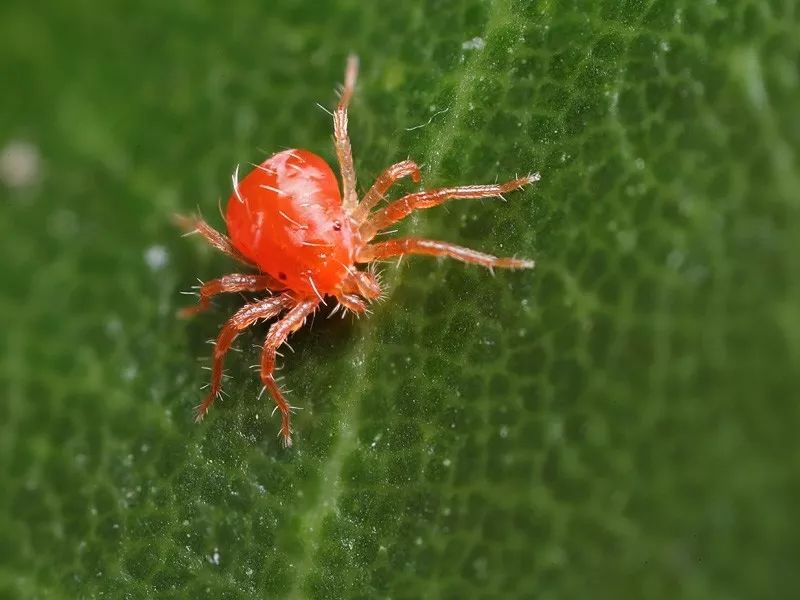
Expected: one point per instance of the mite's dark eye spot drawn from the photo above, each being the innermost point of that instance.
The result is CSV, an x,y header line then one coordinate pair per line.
x,y
282,276
337,226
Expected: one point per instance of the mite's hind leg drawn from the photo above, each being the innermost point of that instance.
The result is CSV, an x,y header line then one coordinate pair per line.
x,y
277,334
344,152
195,224
382,184
403,207
244,318
402,246
235,282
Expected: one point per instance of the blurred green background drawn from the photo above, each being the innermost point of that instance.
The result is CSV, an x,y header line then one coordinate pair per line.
x,y
620,422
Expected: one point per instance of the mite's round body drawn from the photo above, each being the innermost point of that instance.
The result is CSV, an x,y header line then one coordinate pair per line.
x,y
289,223
286,216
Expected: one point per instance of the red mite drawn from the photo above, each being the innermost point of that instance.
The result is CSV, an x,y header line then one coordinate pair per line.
x,y
288,222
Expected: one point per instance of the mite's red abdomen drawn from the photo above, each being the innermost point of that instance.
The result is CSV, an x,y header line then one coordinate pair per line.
x,y
286,216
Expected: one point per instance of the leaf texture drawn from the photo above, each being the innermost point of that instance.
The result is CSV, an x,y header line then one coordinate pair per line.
x,y
620,422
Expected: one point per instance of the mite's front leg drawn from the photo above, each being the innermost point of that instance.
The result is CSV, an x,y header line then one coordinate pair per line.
x,y
385,180
343,150
400,209
403,246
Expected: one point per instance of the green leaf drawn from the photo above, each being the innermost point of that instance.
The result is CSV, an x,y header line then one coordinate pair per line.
x,y
620,422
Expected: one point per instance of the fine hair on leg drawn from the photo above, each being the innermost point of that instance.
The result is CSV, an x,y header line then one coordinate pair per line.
x,y
278,332
352,302
402,246
344,151
235,282
242,319
195,224
400,209
382,184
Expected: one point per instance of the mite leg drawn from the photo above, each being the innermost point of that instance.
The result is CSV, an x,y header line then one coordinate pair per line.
x,y
195,224
235,282
277,334
382,184
403,246
244,318
351,302
343,150
403,207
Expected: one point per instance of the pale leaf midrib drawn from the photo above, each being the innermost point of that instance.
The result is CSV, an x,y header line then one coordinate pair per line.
x,y
441,140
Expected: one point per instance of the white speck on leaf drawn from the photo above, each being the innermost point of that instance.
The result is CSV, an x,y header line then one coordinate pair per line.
x,y
20,164
675,260
627,240
113,326
476,43
129,372
481,566
215,557
156,257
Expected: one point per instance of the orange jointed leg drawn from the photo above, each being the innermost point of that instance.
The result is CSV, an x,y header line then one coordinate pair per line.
x,y
194,224
235,282
403,207
276,336
382,184
342,142
244,318
351,302
403,246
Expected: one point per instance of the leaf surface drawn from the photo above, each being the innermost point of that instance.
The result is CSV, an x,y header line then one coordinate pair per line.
x,y
619,422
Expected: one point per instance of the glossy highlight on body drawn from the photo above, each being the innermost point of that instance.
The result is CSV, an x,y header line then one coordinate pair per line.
x,y
286,216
